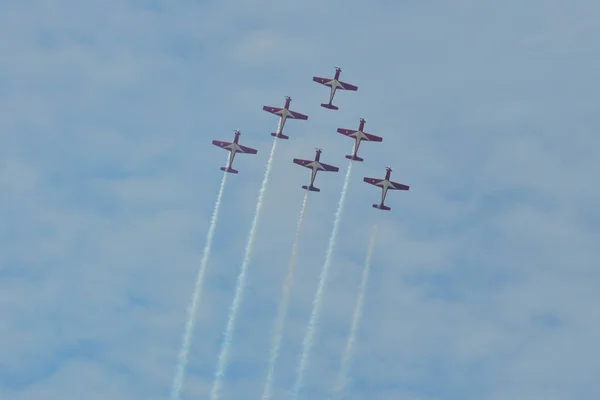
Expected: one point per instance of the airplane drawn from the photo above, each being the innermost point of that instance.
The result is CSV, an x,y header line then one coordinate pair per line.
x,y
385,184
358,136
284,113
316,166
334,84
233,149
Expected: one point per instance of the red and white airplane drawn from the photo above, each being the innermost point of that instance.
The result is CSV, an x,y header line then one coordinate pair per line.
x,y
385,185
284,113
233,149
316,166
334,84
358,136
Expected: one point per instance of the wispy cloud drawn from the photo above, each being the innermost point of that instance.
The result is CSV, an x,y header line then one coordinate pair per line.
x,y
483,280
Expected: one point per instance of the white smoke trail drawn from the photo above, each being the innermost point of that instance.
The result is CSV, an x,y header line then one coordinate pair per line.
x,y
342,377
241,279
312,324
191,312
279,322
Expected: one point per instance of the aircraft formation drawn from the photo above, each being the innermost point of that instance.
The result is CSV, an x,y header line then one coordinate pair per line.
x,y
316,165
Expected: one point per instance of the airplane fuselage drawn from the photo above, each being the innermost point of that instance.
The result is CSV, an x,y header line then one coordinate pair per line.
x,y
358,136
384,185
333,85
233,149
284,115
315,167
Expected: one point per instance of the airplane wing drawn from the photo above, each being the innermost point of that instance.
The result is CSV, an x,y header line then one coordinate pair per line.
x,y
372,181
322,81
347,86
346,132
329,167
370,137
373,138
248,150
297,115
220,143
398,186
272,110
302,162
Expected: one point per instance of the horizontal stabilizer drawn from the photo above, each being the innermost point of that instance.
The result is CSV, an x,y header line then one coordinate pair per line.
x,y
329,106
354,158
231,170
311,188
382,207
280,136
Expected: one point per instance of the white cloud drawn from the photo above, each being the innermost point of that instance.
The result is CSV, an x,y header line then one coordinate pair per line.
x,y
264,47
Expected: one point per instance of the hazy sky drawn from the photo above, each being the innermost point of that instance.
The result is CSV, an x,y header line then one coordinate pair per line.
x,y
485,282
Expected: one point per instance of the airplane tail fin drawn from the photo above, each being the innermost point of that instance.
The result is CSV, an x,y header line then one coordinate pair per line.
x,y
354,158
382,207
311,188
329,106
231,170
279,135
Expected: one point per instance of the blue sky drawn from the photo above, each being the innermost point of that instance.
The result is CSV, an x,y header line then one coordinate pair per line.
x,y
485,278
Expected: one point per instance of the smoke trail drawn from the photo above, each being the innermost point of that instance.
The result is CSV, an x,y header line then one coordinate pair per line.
x,y
310,331
191,312
235,305
342,377
287,286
